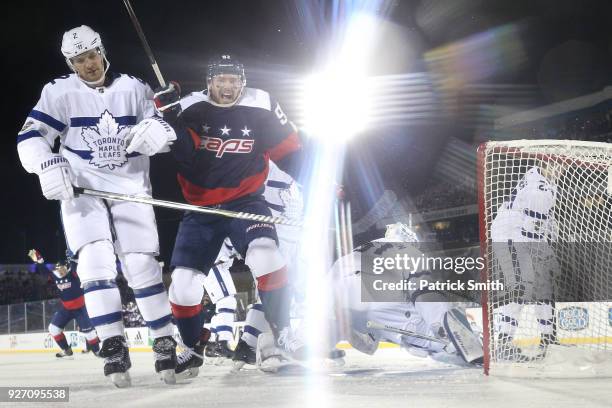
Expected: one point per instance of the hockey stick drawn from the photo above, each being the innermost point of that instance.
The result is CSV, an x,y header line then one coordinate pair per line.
x,y
379,326
145,43
187,207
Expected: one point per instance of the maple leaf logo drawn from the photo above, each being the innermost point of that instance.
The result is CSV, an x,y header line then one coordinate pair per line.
x,y
106,143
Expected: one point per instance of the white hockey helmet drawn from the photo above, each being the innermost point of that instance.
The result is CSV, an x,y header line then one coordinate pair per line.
x,y
400,232
79,40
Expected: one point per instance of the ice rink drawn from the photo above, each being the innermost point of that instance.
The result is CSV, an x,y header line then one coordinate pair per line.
x,y
390,378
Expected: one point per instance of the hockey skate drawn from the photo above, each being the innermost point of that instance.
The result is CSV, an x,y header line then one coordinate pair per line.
x,y
164,350
189,362
243,354
216,353
507,350
117,361
286,350
67,353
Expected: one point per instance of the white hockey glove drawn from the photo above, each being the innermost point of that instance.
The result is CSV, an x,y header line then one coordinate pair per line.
x,y
55,178
150,136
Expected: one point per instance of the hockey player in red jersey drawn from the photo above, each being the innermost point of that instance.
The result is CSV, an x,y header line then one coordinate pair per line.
x,y
223,146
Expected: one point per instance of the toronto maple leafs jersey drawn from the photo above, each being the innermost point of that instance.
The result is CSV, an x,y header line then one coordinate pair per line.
x,y
223,152
528,215
92,124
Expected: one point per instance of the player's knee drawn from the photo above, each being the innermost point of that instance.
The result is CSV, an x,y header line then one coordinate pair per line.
x,y
263,257
97,262
54,330
141,270
185,289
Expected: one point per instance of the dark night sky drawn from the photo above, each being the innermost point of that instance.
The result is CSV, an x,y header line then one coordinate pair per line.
x,y
264,33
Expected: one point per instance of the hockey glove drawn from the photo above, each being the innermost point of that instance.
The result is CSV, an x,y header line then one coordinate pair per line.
x,y
55,178
150,136
167,101
35,256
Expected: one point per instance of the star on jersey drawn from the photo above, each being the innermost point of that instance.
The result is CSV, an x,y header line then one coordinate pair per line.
x,y
225,130
246,131
205,128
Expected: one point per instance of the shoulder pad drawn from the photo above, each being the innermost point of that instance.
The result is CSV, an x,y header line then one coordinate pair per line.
x,y
255,98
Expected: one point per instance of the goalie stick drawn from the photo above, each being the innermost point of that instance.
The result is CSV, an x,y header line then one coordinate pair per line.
x,y
379,326
187,207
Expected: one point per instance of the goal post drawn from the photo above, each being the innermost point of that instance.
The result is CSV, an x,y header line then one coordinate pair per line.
x,y
554,317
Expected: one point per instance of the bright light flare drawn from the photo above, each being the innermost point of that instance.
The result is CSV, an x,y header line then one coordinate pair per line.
x,y
336,102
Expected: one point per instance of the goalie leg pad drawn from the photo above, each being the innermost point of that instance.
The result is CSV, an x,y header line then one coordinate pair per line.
x,y
466,342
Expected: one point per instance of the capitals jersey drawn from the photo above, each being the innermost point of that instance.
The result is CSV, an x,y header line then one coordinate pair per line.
x,y
92,124
528,215
223,153
70,290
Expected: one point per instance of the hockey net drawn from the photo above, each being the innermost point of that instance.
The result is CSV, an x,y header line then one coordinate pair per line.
x,y
581,323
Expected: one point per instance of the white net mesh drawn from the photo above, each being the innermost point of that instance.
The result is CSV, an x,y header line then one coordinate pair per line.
x,y
546,232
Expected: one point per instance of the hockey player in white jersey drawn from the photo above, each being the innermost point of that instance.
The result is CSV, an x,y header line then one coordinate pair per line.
x,y
520,232
427,313
92,111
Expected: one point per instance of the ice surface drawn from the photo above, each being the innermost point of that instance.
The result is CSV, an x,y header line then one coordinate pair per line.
x,y
390,378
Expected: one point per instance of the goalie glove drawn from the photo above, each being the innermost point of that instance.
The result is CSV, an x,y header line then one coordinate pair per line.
x,y
150,136
55,179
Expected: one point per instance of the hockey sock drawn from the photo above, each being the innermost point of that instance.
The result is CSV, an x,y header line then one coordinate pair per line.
x,y
254,325
103,302
189,321
544,313
275,297
61,341
223,321
92,341
507,319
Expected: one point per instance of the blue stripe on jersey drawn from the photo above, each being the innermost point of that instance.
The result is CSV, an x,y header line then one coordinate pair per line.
x,y
86,121
257,306
220,280
86,154
223,328
276,207
149,291
225,310
28,135
277,184
47,120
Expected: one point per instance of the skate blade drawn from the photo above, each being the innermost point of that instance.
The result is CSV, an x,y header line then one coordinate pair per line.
x,y
168,376
121,380
187,374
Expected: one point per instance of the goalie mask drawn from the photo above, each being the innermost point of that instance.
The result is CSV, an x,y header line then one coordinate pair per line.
x,y
81,40
225,80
